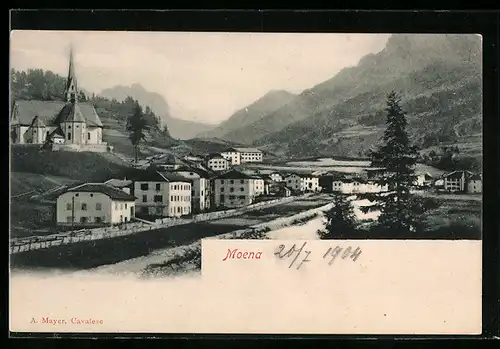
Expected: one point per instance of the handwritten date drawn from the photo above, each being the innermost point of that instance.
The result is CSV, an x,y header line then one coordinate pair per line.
x,y
330,255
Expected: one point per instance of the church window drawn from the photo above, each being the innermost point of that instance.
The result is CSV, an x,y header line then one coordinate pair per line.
x,y
69,126
88,135
69,136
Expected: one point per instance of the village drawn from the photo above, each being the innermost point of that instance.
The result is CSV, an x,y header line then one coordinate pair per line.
x,y
167,185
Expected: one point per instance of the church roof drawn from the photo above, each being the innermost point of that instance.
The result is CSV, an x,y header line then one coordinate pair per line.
x,y
71,112
24,112
37,122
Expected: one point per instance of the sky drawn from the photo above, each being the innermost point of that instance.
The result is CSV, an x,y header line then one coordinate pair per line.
x,y
203,76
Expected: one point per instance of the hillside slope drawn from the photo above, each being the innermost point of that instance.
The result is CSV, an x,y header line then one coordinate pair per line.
x,y
181,129
268,103
438,76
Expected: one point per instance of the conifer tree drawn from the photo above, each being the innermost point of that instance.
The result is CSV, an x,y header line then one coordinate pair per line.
x,y
340,220
400,210
137,126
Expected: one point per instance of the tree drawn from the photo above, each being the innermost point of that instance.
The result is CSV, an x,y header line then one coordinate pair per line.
x,y
340,220
400,210
137,126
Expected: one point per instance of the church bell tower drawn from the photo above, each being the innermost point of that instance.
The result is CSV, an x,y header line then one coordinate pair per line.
x,y
71,84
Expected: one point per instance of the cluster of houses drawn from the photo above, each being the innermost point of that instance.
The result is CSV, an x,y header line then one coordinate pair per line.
x,y
165,185
176,187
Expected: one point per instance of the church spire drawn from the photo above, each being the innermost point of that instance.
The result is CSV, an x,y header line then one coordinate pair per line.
x,y
71,84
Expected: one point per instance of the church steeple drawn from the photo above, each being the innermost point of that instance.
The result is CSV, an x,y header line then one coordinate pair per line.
x,y
71,84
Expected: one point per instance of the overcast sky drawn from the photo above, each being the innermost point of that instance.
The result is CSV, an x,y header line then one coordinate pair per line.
x,y
203,76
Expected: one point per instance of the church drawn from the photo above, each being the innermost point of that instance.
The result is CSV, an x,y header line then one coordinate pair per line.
x,y
59,125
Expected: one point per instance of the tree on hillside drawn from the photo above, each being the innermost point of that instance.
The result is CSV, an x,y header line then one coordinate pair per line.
x,y
340,220
137,127
400,210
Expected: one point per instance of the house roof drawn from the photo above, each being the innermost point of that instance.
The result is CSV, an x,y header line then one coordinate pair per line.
x,y
119,183
202,173
246,150
458,174
169,159
24,112
112,192
150,175
215,156
234,174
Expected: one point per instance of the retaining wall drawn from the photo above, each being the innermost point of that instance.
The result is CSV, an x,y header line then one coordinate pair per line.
x,y
38,242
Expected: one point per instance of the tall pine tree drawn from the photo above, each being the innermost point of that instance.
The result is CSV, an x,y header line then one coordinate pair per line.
x,y
137,126
400,210
340,220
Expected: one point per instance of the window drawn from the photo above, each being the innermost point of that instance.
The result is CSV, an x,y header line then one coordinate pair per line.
x,y
178,210
34,131
121,218
69,127
144,186
88,136
144,198
158,198
222,198
84,207
77,126
91,195
221,181
69,219
241,197
125,206
68,207
231,182
171,198
242,189
231,189
242,181
77,195
98,206
121,206
69,136
116,206
222,189
83,219
98,219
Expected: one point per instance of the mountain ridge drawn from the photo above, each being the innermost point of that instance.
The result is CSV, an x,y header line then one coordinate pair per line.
x,y
178,128
258,109
428,70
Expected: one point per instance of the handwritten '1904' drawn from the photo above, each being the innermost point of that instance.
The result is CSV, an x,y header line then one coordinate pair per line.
x,y
331,253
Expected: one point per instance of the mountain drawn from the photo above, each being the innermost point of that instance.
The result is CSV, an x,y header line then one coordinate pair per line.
x,y
439,78
270,102
178,128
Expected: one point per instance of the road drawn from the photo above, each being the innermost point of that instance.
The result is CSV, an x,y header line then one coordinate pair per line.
x,y
92,254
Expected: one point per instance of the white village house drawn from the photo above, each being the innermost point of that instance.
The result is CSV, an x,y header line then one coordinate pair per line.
x,y
62,125
201,188
249,154
236,189
162,194
303,182
216,162
94,204
233,156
